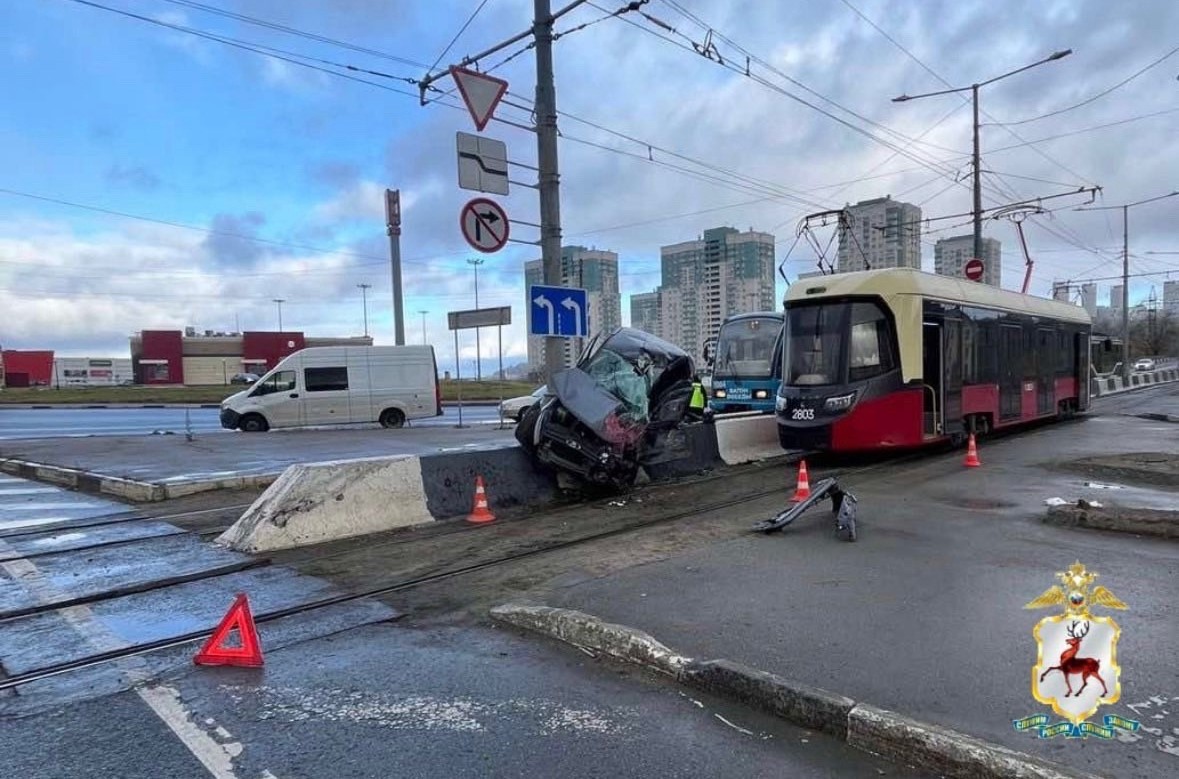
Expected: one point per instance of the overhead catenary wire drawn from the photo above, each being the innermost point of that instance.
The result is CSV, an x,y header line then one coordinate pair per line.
x,y
947,84
458,34
1099,95
756,184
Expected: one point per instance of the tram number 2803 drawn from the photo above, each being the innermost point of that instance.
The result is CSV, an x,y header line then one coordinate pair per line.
x,y
802,413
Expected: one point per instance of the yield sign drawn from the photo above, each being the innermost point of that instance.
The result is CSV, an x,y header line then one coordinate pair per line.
x,y
480,92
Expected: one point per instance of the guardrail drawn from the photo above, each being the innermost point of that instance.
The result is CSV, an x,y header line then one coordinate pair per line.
x,y
1114,384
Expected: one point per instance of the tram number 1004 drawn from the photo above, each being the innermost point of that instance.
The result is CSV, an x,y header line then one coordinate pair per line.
x,y
802,413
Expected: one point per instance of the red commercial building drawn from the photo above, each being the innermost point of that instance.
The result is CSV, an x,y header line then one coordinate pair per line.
x,y
27,368
175,357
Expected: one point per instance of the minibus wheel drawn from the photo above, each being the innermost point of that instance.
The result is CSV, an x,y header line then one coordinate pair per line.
x,y
253,423
392,418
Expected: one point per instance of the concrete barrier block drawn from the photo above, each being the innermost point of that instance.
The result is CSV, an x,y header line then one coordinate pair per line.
x,y
944,751
689,450
748,439
317,502
511,479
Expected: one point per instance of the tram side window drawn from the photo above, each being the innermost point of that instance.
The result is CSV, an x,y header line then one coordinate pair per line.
x,y
988,352
870,352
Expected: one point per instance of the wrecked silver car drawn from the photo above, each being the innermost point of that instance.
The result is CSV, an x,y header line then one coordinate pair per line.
x,y
605,419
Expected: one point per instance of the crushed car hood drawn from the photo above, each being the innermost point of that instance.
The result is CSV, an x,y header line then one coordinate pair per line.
x,y
585,399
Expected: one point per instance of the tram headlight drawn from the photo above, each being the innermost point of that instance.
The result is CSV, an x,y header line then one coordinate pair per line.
x,y
840,402
761,394
780,404
720,393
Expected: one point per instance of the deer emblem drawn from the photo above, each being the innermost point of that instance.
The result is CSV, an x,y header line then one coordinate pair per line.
x,y
1071,665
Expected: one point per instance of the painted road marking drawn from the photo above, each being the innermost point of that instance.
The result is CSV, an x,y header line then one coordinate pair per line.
x,y
163,700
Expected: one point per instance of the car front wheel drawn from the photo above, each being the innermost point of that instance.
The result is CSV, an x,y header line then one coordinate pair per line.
x,y
253,423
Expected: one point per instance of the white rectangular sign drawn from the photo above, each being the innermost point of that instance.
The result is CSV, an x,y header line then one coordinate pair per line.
x,y
482,164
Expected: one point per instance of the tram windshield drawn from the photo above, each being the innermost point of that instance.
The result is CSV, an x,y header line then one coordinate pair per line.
x,y
834,343
745,348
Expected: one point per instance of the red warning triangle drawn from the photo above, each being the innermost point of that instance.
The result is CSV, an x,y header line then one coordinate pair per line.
x,y
249,654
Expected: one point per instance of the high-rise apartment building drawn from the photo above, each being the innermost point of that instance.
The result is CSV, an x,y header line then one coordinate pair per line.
x,y
646,313
1115,298
596,272
724,272
1089,298
884,233
950,256
1171,297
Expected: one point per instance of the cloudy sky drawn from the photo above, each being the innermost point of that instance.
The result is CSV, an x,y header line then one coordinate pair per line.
x,y
157,177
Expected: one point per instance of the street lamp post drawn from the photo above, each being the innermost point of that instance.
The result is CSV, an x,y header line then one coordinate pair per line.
x,y
364,288
476,262
977,161
279,301
1125,209
423,313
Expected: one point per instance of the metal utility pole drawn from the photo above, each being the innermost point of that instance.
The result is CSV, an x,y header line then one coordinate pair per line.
x,y
546,161
279,301
393,224
976,156
548,178
364,288
423,313
1125,209
475,262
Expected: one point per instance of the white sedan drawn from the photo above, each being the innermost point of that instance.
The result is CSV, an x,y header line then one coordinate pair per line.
x,y
514,408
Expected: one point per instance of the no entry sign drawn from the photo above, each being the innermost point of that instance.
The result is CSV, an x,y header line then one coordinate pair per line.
x,y
974,269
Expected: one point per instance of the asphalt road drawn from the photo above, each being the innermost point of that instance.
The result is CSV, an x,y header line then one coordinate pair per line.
x,y
22,423
924,614
341,695
385,701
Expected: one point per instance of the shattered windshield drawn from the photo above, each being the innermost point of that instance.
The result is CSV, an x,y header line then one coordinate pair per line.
x,y
618,376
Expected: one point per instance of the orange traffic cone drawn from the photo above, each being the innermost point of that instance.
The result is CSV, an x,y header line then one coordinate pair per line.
x,y
803,491
480,513
972,454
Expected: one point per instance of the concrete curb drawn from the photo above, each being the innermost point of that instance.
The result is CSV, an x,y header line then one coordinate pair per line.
x,y
860,725
1145,522
589,632
794,701
945,751
127,489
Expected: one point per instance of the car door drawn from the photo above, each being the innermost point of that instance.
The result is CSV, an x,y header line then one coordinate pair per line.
x,y
279,399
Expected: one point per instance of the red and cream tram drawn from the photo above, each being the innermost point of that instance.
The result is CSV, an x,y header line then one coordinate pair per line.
x,y
901,358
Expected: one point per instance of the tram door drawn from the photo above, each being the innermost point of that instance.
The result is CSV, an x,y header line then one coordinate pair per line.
x,y
952,377
932,361
1045,370
1011,365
